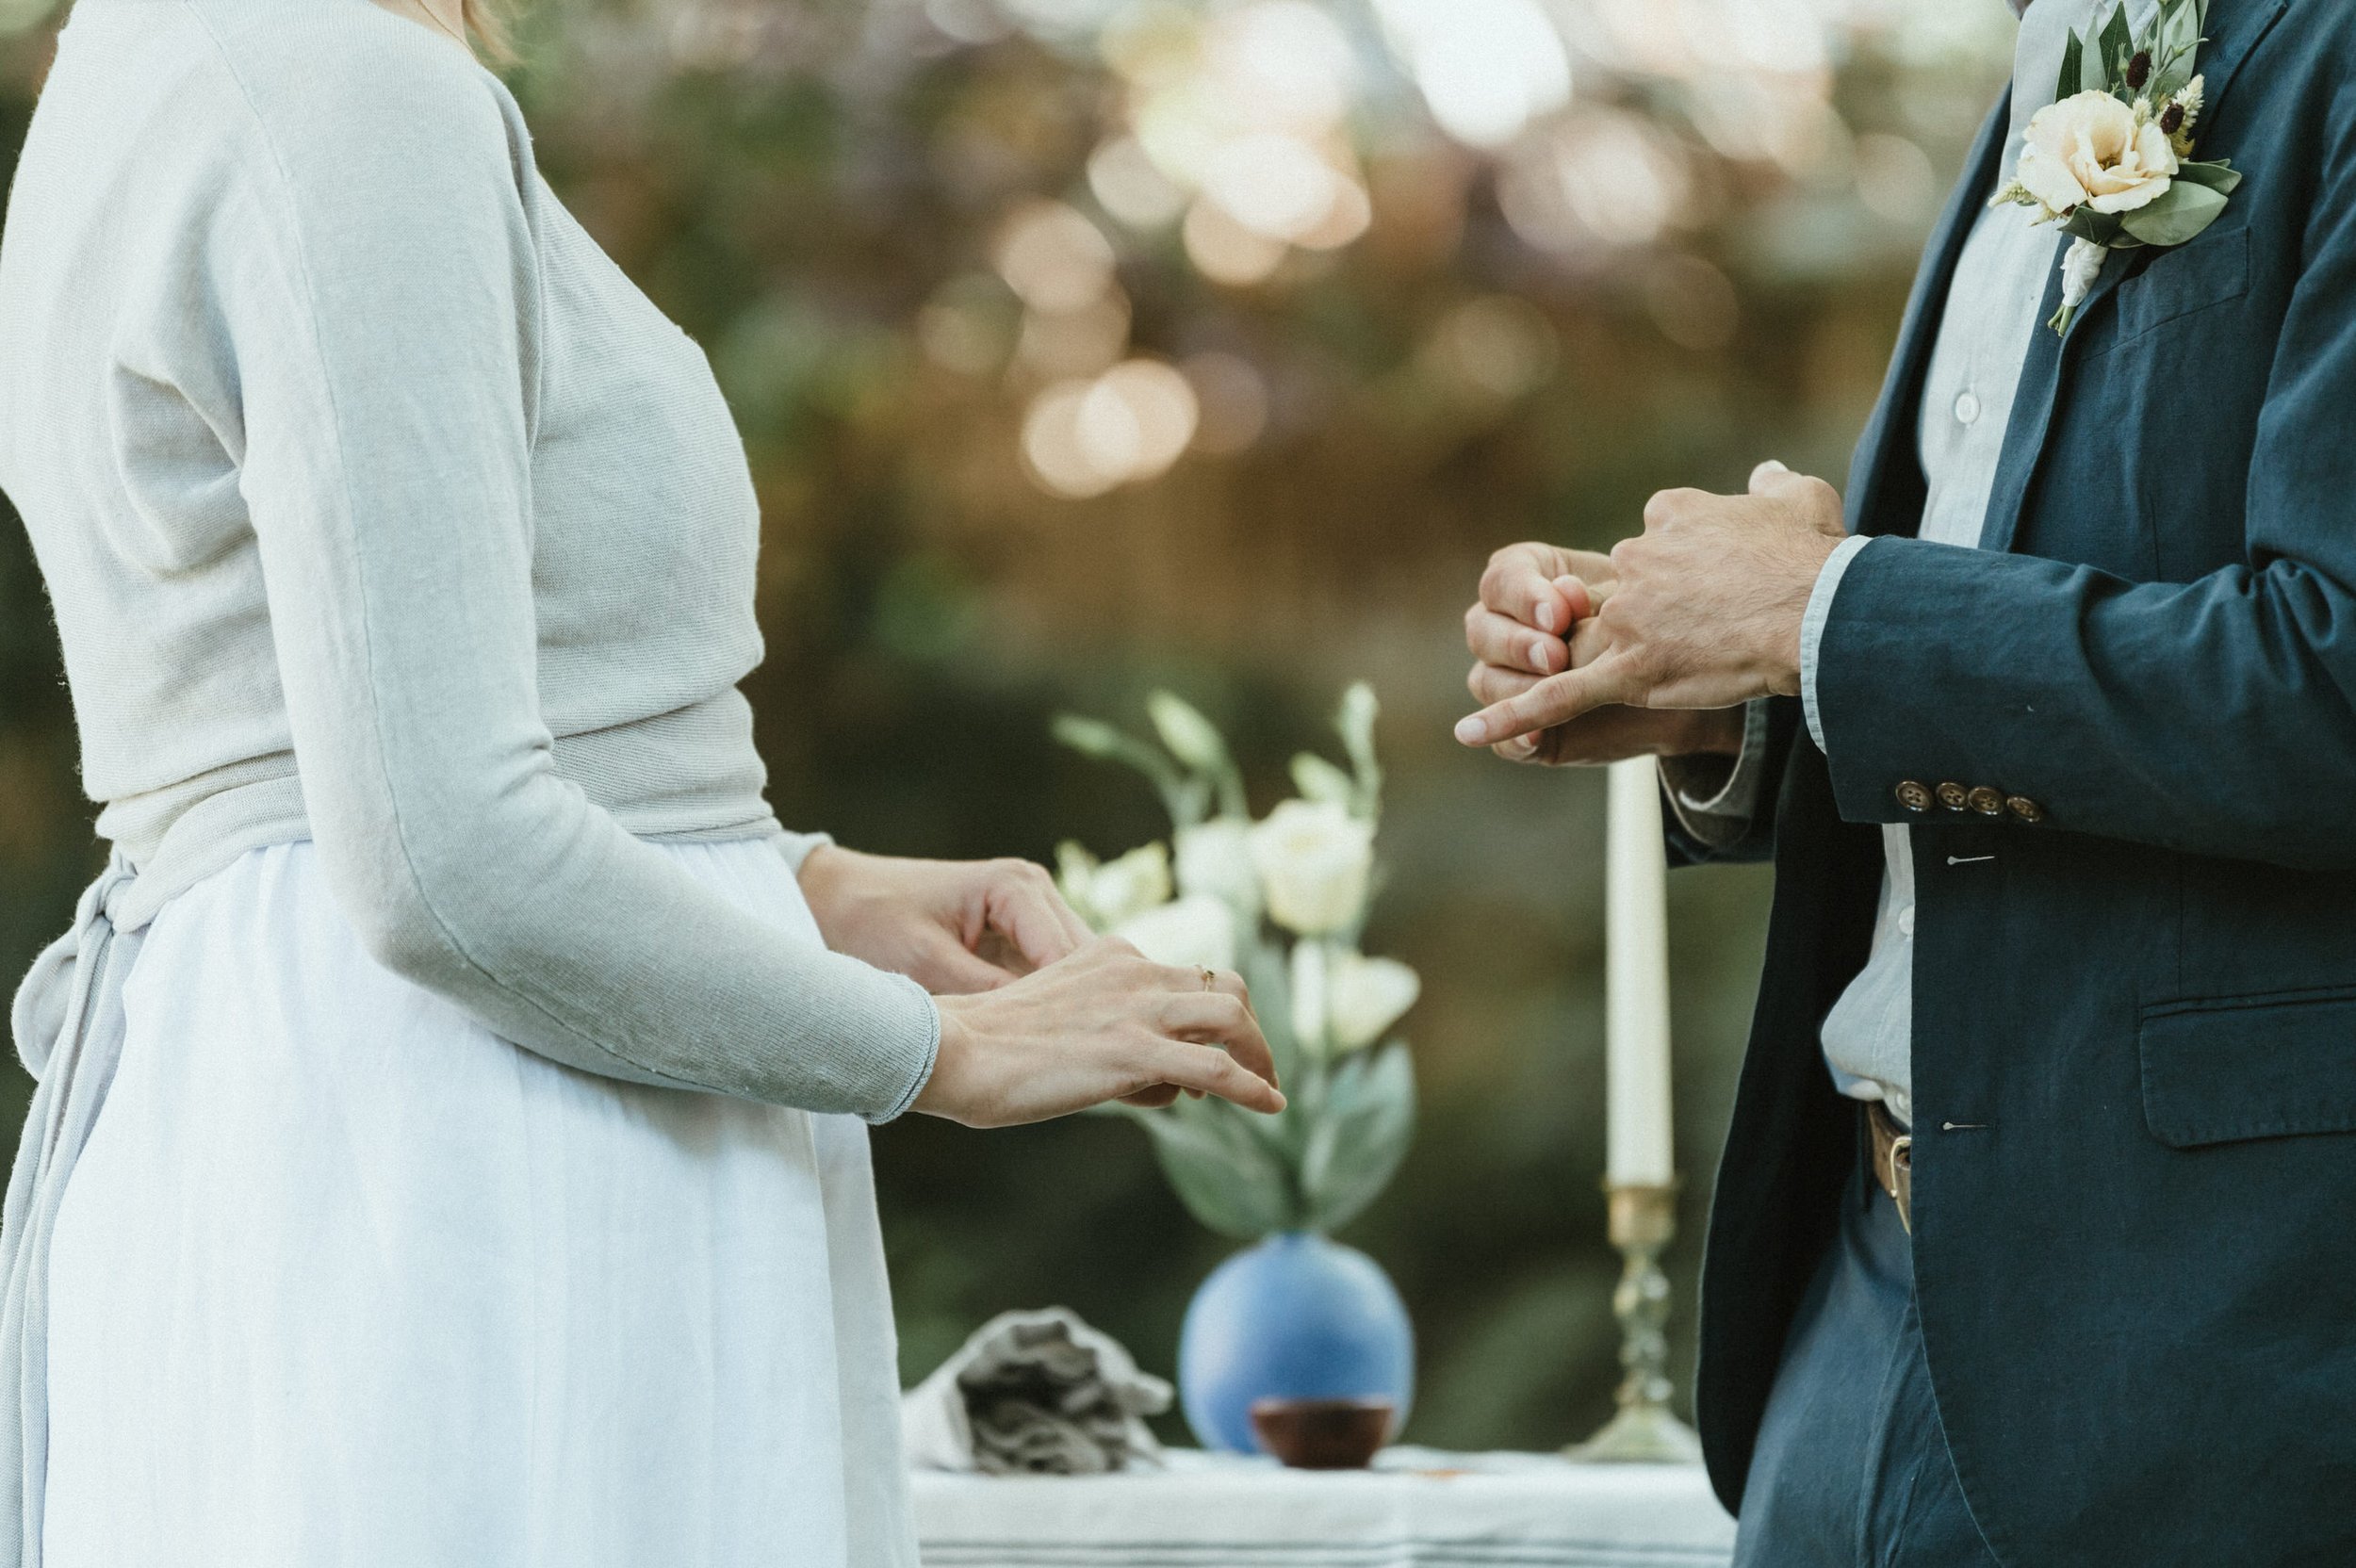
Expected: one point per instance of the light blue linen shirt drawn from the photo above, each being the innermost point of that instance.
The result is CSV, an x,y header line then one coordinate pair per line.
x,y
1993,310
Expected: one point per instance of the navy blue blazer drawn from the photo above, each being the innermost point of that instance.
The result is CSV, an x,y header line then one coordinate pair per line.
x,y
2134,1014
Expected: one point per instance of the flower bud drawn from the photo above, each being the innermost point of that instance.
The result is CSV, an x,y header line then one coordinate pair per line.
x,y
2139,70
2171,119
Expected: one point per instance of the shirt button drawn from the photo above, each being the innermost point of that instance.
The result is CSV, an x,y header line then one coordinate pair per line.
x,y
1987,802
1905,921
1968,409
1913,796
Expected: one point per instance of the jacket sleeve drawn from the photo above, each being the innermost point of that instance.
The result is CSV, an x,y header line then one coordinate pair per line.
x,y
2216,716
382,306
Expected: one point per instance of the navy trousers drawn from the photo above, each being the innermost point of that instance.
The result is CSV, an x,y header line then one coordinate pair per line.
x,y
1852,1470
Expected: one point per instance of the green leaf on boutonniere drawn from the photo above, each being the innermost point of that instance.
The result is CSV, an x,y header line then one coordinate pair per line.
x,y
2119,47
2181,213
2179,30
2099,228
2073,70
2092,76
2219,176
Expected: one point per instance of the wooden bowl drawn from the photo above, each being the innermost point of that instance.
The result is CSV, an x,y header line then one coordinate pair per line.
x,y
1323,1434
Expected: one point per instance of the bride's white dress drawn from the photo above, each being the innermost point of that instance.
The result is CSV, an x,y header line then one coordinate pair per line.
x,y
344,1279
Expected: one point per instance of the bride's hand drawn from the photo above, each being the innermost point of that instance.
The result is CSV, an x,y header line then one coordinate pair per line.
x,y
1103,1024
952,927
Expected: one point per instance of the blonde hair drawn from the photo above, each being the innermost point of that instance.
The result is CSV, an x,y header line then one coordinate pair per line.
x,y
491,27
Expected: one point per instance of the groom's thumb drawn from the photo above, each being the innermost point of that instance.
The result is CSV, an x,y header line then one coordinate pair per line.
x,y
1770,477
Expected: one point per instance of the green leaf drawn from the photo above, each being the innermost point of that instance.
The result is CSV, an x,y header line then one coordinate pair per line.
x,y
1361,1135
1188,800
2092,76
1264,970
2118,48
1196,742
2073,69
2102,228
2179,215
2221,176
1225,1177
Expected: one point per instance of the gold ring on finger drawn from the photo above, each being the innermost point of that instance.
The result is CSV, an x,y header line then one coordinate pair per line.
x,y
1210,979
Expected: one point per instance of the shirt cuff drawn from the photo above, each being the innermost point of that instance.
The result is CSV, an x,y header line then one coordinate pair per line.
x,y
1714,809
1812,628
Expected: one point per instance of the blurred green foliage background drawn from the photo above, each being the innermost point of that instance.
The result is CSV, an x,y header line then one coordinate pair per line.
x,y
1393,282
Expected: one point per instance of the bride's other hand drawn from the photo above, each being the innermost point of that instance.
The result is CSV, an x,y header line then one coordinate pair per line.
x,y
952,927
1104,1025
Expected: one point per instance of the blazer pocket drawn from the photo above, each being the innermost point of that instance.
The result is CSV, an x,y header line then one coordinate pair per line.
x,y
2206,271
2259,1067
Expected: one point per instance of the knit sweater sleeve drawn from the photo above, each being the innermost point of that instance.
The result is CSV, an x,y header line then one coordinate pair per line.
x,y
383,314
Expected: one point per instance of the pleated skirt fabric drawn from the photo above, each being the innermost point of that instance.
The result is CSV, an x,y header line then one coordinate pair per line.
x,y
344,1281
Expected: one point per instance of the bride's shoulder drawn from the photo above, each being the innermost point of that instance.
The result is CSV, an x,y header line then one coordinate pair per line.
x,y
338,90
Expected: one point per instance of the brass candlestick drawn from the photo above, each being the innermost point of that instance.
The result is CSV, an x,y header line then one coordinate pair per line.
x,y
1643,1431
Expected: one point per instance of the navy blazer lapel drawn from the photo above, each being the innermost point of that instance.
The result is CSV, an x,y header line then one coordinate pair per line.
x,y
2237,25
1886,482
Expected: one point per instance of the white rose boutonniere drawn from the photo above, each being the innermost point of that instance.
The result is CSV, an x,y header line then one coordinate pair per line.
x,y
2110,160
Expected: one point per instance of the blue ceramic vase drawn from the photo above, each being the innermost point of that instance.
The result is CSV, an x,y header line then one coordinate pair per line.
x,y
1297,1316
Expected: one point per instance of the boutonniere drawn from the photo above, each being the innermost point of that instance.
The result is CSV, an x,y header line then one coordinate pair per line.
x,y
2110,159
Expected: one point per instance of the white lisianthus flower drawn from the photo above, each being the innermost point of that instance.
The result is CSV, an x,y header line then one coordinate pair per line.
x,y
1116,891
2093,151
1366,996
1190,933
1315,861
1215,862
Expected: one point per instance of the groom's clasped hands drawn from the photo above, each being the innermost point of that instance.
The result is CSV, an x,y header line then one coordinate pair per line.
x,y
1651,651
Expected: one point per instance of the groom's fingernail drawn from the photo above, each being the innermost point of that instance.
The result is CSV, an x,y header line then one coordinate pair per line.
x,y
1546,619
1540,659
1473,731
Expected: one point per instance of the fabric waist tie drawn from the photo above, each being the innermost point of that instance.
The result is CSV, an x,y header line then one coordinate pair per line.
x,y
68,1026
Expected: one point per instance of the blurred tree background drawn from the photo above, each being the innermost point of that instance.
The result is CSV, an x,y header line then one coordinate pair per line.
x,y
1082,346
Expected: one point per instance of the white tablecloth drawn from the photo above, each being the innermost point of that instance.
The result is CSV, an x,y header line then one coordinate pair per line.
x,y
1418,1508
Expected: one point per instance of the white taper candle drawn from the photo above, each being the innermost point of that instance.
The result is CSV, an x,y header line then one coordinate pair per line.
x,y
1636,946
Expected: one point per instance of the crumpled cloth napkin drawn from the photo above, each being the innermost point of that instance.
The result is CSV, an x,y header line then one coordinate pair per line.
x,y
1035,1393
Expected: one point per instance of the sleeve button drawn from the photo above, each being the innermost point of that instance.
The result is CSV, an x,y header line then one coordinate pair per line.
x,y
2026,810
1914,796
1954,796
1987,802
